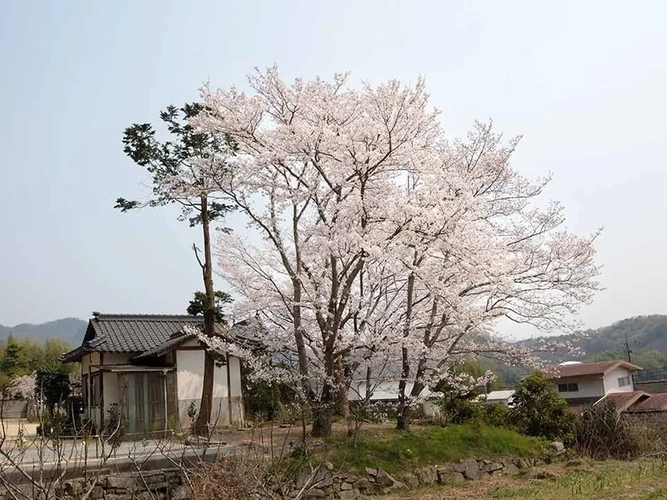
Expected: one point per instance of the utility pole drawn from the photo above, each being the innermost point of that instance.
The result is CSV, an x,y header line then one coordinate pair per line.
x,y
627,349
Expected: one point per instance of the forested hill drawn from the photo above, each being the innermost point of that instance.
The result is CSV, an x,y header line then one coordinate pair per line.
x,y
71,330
647,336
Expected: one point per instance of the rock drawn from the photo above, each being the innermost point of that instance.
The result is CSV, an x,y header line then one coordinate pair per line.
x,y
345,487
449,477
351,479
510,468
427,475
522,463
471,470
349,494
315,493
411,480
302,478
118,482
558,448
492,467
371,472
363,484
385,480
73,488
460,467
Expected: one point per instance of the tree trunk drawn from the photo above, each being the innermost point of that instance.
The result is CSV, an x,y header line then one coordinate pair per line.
x,y
403,418
342,403
206,407
403,412
324,408
322,413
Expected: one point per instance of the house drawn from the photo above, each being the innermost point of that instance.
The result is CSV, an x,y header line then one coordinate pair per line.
x,y
504,397
153,370
385,392
582,384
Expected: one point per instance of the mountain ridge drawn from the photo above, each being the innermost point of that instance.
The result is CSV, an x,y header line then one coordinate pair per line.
x,y
69,329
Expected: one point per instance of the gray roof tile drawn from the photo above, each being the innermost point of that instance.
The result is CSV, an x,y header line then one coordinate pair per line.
x,y
134,333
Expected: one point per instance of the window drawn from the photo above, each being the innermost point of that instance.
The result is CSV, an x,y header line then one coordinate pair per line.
x,y
623,381
568,387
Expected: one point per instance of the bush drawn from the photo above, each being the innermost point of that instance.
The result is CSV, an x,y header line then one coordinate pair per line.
x,y
462,411
496,415
602,433
540,411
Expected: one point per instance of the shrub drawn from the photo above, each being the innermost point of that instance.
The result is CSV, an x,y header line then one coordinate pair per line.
x,y
496,415
540,411
603,433
462,410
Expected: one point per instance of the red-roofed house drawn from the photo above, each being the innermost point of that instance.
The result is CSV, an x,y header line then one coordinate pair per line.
x,y
582,384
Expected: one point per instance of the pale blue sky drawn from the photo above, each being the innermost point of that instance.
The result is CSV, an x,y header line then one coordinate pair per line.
x,y
583,81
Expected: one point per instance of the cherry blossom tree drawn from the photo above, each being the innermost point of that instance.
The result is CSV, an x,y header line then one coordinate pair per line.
x,y
475,249
371,237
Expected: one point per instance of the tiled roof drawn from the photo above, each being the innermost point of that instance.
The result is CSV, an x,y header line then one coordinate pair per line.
x,y
624,400
134,333
578,405
159,350
655,402
599,368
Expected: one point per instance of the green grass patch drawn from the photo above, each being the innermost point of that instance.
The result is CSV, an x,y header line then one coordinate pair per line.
x,y
397,451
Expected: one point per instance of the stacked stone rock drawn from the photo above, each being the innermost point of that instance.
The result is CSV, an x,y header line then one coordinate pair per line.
x,y
328,485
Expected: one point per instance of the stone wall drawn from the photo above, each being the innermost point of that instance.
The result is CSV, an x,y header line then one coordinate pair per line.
x,y
160,485
327,484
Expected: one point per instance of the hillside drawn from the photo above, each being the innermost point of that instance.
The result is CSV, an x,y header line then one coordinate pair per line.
x,y
647,337
69,329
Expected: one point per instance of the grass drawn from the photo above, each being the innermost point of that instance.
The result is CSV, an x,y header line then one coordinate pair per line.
x,y
397,451
641,480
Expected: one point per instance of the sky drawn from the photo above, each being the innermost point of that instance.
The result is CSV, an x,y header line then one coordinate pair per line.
x,y
584,83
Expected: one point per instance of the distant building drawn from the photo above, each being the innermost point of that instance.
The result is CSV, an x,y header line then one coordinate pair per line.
x,y
582,384
505,397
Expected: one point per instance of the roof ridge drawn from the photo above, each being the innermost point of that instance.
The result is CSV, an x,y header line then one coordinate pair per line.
x,y
146,317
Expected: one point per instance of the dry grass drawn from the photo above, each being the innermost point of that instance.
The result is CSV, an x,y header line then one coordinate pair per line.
x,y
641,479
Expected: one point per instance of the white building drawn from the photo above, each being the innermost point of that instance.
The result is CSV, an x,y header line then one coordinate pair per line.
x,y
585,383
504,397
154,371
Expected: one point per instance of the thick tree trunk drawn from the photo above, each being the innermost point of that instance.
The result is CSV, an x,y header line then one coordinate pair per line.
x,y
322,413
404,418
342,403
206,407
403,411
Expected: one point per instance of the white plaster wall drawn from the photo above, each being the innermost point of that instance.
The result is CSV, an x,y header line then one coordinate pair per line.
x,y
588,387
235,372
112,358
190,378
220,382
189,373
110,391
611,381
